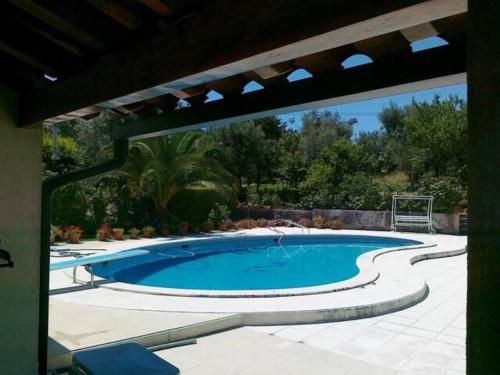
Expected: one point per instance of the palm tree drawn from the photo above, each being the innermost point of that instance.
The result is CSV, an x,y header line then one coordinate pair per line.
x,y
172,163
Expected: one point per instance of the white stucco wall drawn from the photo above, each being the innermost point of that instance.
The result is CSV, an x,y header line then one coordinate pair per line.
x,y
20,196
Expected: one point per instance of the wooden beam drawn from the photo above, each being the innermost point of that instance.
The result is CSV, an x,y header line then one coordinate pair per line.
x,y
118,12
25,58
418,32
54,39
197,50
158,6
432,68
59,23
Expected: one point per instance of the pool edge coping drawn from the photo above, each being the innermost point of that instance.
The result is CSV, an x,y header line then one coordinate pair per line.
x,y
366,263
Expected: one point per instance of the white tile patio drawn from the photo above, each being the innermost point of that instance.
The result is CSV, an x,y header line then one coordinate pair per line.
x,y
368,346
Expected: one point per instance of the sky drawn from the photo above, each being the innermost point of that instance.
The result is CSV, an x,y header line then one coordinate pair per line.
x,y
365,111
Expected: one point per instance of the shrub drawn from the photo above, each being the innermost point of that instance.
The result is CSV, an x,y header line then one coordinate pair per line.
x,y
262,223
148,232
206,226
183,227
334,224
306,222
318,222
447,192
359,192
219,213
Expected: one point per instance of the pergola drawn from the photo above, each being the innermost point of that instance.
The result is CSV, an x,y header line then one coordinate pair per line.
x,y
66,60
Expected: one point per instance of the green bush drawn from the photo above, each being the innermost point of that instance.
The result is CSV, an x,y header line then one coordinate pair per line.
x,y
448,194
359,192
193,205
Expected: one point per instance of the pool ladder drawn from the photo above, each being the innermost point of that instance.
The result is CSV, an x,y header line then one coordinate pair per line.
x,y
272,225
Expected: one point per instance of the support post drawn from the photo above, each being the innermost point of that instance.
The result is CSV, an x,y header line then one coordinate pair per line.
x,y
483,293
49,186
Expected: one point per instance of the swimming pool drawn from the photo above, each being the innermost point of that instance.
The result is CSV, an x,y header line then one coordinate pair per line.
x,y
249,263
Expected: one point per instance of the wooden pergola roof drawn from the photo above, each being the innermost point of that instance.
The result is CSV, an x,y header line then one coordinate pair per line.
x,y
145,55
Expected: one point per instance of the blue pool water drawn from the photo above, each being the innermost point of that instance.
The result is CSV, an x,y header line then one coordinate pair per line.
x,y
244,264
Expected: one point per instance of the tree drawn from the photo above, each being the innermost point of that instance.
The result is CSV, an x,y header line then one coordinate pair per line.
x,y
170,164
320,129
67,153
291,168
426,137
245,152
329,169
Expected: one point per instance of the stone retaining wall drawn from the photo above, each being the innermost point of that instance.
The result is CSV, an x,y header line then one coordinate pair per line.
x,y
354,219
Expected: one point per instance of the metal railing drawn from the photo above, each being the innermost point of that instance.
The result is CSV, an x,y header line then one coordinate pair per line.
x,y
273,224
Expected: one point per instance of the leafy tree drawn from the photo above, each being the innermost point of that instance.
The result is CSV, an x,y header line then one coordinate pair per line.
x,y
447,192
320,129
439,129
359,192
245,152
291,168
173,163
272,127
67,159
329,169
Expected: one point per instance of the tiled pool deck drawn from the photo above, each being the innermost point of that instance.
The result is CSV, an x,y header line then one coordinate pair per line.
x,y
428,338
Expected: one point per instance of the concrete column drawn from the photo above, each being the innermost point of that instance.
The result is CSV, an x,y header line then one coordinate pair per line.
x,y
20,196
483,295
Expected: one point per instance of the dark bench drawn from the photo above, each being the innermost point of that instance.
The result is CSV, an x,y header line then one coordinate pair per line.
x,y
123,359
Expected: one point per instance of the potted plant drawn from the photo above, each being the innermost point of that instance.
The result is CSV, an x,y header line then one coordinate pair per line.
x,y
54,233
251,223
335,224
206,227
262,223
222,226
165,230
134,233
183,227
229,224
72,233
118,233
148,232
104,233
318,222
305,222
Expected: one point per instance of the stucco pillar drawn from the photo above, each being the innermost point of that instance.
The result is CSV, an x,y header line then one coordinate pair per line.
x,y
483,296
20,195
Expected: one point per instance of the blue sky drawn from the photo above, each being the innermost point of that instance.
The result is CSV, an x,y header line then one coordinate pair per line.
x,y
366,111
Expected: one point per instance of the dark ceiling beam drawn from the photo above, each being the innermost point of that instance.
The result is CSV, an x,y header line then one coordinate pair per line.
x,y
229,38
432,68
58,23
157,6
41,66
116,10
70,47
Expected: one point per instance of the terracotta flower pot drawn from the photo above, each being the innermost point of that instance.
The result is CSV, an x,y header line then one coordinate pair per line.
x,y
74,237
165,232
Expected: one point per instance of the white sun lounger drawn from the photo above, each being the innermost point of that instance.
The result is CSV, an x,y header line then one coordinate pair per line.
x,y
88,261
